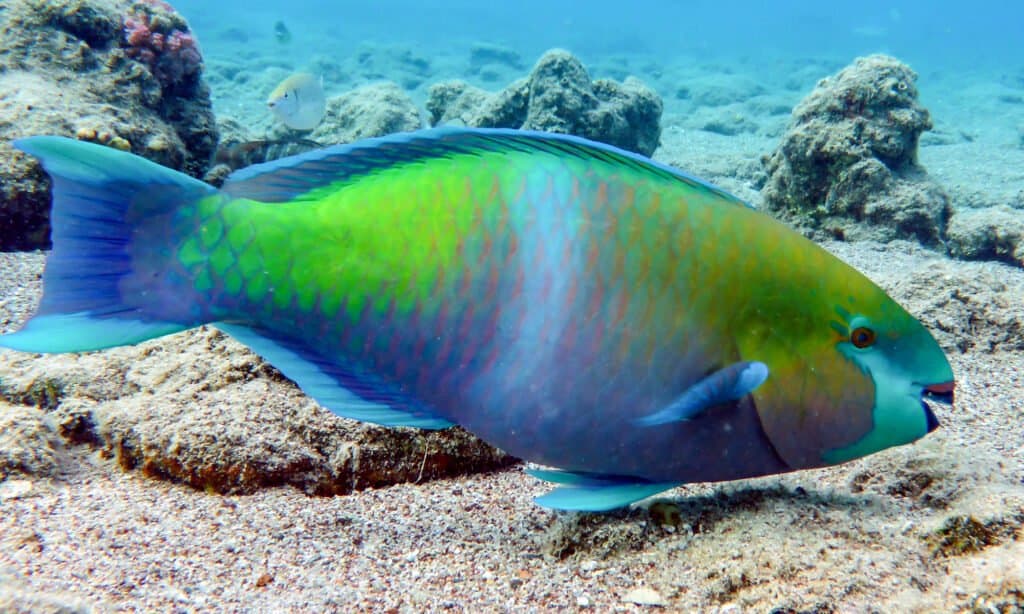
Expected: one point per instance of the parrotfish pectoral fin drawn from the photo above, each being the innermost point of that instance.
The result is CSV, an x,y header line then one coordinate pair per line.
x,y
100,196
723,386
585,492
339,388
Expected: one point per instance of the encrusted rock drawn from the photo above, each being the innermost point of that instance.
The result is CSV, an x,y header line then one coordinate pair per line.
x,y
368,111
27,445
559,96
201,409
993,233
68,68
848,163
457,102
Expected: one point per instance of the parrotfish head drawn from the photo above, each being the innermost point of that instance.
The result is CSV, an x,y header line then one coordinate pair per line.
x,y
906,368
851,372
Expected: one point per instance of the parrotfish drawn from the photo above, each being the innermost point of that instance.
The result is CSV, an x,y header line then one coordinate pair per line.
x,y
298,101
578,306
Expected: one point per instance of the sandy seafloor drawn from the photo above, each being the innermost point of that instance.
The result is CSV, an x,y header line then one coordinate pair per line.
x,y
866,536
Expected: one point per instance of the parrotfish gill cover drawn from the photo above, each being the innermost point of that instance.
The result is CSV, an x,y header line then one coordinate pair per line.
x,y
576,305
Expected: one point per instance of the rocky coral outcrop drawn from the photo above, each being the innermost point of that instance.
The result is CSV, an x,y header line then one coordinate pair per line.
x,y
558,96
848,163
457,102
991,233
201,409
372,110
126,74
27,445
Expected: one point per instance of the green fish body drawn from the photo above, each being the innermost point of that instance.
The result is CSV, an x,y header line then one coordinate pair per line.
x,y
571,303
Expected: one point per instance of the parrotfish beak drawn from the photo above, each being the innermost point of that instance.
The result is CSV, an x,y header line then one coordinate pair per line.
x,y
941,393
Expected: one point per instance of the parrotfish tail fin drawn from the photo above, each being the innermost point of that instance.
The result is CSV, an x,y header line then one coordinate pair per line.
x,y
108,280
585,492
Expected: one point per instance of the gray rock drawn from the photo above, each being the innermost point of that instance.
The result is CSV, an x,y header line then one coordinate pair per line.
x,y
993,233
848,163
201,409
27,445
368,111
730,124
456,102
559,96
65,69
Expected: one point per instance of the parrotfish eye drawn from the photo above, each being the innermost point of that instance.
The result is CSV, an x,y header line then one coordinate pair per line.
x,y
862,337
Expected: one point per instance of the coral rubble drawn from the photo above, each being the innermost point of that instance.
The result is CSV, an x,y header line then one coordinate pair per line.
x,y
138,405
848,162
990,233
124,74
159,36
368,111
558,96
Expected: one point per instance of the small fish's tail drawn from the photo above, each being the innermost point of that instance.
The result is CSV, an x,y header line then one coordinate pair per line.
x,y
110,279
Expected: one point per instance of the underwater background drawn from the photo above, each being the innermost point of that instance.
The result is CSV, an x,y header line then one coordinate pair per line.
x,y
950,44
187,474
931,35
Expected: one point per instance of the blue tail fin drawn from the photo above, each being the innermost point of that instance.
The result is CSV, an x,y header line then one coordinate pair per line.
x,y
107,281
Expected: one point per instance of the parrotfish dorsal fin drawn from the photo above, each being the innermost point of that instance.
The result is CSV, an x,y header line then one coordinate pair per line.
x,y
287,178
337,387
730,383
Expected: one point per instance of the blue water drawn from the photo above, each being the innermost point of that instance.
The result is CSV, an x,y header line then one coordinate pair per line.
x,y
933,35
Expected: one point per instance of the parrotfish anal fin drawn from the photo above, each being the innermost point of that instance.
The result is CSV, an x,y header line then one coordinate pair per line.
x,y
587,492
334,386
729,384
287,178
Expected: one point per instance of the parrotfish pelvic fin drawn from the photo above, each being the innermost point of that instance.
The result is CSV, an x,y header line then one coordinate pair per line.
x,y
588,492
728,384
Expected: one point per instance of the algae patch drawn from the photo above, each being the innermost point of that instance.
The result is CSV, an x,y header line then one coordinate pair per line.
x,y
962,535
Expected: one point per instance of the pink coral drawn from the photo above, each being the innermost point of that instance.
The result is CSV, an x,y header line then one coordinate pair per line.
x,y
159,37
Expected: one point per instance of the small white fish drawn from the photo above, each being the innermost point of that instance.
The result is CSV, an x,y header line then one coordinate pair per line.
x,y
299,101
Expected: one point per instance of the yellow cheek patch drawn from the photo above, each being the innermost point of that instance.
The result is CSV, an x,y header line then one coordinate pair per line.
x,y
815,400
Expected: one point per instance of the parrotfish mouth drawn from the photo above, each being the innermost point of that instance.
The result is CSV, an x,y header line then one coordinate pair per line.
x,y
940,393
